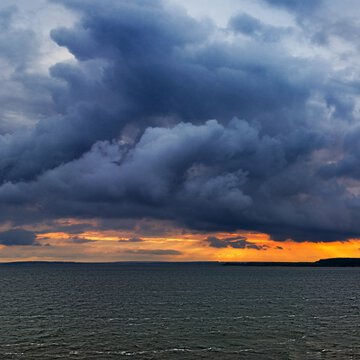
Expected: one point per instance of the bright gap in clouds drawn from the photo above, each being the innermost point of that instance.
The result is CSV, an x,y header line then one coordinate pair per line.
x,y
41,16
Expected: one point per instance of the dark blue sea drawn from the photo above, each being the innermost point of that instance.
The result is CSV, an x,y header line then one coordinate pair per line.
x,y
172,311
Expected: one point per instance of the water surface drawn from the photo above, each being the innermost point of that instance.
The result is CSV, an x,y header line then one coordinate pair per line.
x,y
178,312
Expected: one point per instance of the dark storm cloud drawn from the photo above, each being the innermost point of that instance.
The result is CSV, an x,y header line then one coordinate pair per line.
x,y
239,242
206,177
17,237
157,252
72,229
281,233
140,64
130,135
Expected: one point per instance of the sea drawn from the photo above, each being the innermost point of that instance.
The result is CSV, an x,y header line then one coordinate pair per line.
x,y
178,311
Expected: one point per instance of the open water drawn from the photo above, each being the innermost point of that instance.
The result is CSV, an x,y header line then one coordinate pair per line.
x,y
172,311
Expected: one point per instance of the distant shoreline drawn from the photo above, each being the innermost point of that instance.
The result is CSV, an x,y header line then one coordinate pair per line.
x,y
333,262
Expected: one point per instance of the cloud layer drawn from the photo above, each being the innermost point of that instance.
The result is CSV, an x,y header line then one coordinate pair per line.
x,y
17,237
238,242
160,115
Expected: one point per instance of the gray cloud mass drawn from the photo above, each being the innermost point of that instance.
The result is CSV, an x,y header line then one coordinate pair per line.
x,y
157,116
238,242
17,237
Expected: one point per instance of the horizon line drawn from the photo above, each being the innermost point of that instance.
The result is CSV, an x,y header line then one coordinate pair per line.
x,y
240,263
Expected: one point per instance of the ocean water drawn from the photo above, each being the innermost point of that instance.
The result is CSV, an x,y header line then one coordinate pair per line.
x,y
178,312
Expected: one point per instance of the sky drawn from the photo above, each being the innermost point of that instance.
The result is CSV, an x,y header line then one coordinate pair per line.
x,y
179,130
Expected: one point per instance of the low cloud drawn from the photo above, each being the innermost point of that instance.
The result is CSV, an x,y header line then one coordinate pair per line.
x,y
238,242
18,237
79,240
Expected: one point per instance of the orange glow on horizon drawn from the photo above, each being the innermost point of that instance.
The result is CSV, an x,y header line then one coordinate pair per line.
x,y
99,246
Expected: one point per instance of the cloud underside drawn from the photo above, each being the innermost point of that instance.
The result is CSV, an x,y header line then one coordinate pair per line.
x,y
18,237
238,242
167,117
